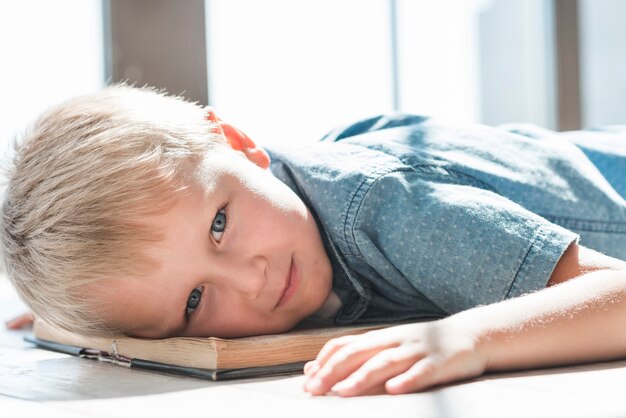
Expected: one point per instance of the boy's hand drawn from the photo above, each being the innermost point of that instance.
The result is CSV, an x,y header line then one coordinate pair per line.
x,y
400,359
20,321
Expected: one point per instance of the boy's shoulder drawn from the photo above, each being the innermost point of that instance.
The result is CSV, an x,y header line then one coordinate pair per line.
x,y
351,158
357,151
374,124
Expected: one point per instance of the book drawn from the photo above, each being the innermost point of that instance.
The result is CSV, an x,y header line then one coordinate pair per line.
x,y
210,358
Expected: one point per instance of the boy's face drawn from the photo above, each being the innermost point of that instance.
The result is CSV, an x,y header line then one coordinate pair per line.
x,y
241,256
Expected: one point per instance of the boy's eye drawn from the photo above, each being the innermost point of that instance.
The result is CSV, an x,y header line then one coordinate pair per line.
x,y
194,300
219,225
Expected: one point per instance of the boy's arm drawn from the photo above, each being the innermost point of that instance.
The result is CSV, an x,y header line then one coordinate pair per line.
x,y
581,320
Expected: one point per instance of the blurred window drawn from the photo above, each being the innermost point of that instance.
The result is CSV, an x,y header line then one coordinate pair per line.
x,y
51,51
287,71
603,61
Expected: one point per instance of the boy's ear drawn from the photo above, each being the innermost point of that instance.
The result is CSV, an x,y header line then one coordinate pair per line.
x,y
240,141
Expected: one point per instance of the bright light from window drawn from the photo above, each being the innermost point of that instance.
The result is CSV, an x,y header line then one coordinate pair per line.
x,y
439,58
287,71
51,51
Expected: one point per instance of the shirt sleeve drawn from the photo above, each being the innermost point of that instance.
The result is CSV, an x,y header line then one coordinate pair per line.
x,y
458,245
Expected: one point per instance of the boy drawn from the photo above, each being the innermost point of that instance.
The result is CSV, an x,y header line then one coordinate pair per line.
x,y
129,211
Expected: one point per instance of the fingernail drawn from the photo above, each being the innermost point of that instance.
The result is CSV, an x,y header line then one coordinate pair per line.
x,y
343,385
312,369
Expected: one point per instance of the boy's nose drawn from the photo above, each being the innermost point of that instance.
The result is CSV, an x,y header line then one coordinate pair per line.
x,y
250,277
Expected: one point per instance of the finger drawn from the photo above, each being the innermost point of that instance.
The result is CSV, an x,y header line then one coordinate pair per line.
x,y
433,371
377,370
363,341
342,363
332,346
420,376
19,321
311,367
334,371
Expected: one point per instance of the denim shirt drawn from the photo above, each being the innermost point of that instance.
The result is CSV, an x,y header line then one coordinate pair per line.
x,y
423,219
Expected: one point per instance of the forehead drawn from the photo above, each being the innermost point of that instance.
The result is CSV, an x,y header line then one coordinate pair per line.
x,y
220,161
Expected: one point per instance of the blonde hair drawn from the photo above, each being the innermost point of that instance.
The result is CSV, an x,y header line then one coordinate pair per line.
x,y
80,181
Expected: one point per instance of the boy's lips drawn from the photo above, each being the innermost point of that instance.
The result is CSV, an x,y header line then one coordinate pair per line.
x,y
291,285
